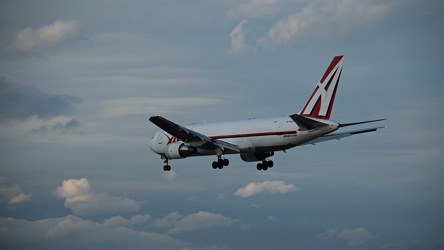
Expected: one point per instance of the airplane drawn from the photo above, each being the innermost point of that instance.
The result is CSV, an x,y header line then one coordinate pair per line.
x,y
255,140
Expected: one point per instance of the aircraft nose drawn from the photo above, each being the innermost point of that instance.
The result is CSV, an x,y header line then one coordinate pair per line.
x,y
152,145
156,144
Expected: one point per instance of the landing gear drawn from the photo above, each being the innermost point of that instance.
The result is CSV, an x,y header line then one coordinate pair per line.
x,y
220,163
264,165
166,167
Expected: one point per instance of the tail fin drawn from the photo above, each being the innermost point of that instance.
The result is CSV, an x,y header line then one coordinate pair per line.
x,y
321,100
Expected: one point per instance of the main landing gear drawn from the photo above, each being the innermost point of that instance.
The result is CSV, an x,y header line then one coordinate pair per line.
x,y
264,165
220,163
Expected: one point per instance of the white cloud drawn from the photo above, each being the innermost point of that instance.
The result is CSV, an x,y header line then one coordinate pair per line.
x,y
169,175
45,36
317,18
13,194
76,232
238,43
118,221
320,18
82,199
197,221
272,187
19,199
352,237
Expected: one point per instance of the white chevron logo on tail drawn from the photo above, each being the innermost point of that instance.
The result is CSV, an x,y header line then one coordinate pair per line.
x,y
320,103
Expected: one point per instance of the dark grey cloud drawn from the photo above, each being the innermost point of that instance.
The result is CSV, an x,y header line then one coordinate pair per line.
x,y
60,127
18,101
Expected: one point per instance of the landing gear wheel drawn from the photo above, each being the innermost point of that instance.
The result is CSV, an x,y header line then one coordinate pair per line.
x,y
226,162
220,163
214,165
264,165
259,166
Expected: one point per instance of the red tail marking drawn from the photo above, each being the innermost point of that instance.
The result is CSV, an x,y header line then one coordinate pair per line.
x,y
321,101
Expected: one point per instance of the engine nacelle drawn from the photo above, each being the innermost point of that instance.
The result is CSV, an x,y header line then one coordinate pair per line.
x,y
179,150
249,157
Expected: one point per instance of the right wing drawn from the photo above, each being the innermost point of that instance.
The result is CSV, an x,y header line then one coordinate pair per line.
x,y
337,136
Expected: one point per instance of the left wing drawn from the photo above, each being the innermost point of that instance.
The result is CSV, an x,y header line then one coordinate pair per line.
x,y
190,136
337,136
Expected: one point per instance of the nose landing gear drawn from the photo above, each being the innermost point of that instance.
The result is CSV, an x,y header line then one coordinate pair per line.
x,y
166,167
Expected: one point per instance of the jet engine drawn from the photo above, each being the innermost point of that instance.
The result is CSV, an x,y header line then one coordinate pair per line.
x,y
179,150
259,156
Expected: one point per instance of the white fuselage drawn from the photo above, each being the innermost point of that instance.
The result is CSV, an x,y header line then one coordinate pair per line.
x,y
272,134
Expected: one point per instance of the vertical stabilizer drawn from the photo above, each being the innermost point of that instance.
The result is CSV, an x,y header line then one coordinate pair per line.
x,y
320,103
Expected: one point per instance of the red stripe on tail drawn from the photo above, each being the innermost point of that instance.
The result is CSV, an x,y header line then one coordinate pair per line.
x,y
321,101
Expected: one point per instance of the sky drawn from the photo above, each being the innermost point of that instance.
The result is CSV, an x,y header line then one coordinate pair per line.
x,y
79,80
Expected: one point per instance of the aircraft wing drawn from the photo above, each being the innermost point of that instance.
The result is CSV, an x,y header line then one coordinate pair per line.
x,y
190,136
337,136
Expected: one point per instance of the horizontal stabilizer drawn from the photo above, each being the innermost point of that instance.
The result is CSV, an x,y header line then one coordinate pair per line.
x,y
337,136
357,123
306,123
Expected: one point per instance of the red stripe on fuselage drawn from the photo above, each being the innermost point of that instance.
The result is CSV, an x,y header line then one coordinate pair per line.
x,y
253,134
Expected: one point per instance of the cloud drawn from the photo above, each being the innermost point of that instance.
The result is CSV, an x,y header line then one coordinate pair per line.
x,y
19,101
169,175
351,237
29,41
272,187
19,199
168,221
118,221
238,44
321,18
60,127
13,194
317,18
72,232
82,199
197,221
